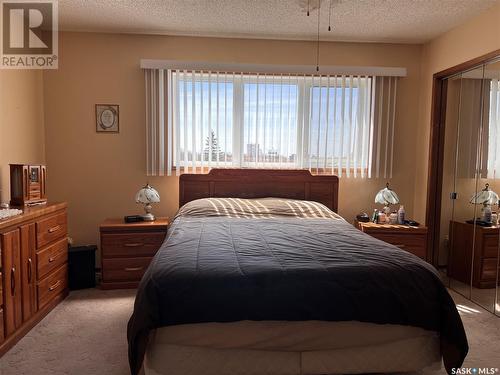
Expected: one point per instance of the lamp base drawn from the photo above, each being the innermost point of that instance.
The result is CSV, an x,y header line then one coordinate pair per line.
x,y
148,217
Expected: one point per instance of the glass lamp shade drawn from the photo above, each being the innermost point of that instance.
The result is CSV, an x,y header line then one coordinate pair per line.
x,y
485,197
386,196
147,195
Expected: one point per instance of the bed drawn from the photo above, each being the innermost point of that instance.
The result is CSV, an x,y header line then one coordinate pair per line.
x,y
259,275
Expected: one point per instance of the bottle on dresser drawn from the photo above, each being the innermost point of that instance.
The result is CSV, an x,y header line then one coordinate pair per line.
x,y
401,215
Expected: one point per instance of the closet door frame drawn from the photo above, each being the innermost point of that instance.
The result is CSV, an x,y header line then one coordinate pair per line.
x,y
436,148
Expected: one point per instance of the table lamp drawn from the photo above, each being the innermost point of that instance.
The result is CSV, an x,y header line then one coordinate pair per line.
x,y
387,196
146,196
486,197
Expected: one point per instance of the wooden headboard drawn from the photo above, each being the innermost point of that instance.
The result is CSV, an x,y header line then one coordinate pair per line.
x,y
260,183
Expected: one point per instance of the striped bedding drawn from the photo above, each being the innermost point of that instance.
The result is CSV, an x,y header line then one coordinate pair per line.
x,y
256,208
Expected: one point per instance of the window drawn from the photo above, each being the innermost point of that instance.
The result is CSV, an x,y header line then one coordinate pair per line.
x,y
328,124
340,124
204,109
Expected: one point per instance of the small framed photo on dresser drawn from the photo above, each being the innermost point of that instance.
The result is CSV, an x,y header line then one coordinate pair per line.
x,y
107,118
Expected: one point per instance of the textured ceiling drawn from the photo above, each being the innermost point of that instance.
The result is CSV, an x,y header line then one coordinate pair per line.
x,y
403,21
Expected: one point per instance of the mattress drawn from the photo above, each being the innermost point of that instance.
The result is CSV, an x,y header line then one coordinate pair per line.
x,y
232,260
279,347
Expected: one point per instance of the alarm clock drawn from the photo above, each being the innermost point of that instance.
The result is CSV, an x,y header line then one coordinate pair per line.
x,y
27,185
363,217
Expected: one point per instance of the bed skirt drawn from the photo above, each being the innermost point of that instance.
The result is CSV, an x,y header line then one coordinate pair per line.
x,y
290,348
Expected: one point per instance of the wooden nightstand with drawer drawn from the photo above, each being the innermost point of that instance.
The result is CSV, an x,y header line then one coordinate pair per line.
x,y
411,239
473,247
127,250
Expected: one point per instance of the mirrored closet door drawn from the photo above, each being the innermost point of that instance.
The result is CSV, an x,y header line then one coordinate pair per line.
x,y
469,245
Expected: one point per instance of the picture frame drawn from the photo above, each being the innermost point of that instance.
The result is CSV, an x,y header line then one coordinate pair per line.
x,y
107,118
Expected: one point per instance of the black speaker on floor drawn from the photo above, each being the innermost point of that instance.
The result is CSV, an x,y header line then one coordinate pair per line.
x,y
81,266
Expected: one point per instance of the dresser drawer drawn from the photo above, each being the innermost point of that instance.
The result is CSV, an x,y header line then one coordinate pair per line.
x,y
124,269
127,244
52,286
489,269
51,229
51,258
413,243
490,244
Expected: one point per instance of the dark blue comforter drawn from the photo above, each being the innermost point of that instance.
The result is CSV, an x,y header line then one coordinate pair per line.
x,y
226,269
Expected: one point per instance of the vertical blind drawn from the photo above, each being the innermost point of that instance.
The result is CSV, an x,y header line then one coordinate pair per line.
x,y
329,124
494,130
472,128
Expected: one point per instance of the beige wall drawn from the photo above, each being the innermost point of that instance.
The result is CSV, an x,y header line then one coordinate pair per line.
x,y
98,174
22,136
474,38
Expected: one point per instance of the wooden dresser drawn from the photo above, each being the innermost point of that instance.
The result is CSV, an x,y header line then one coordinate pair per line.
x,y
34,272
127,250
411,239
485,264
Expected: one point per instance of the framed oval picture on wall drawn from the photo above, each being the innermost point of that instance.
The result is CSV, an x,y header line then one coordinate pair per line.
x,y
107,118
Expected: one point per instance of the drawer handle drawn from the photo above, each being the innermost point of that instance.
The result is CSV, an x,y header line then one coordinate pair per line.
x,y
54,229
29,270
132,269
52,287
51,259
133,244
13,282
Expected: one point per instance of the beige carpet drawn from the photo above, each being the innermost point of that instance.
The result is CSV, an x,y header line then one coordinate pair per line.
x,y
86,335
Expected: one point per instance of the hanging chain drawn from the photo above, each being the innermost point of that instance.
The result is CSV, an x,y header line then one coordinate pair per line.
x,y
317,46
330,17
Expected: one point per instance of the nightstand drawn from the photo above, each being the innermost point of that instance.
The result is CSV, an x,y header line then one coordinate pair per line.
x,y
484,240
127,250
411,239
